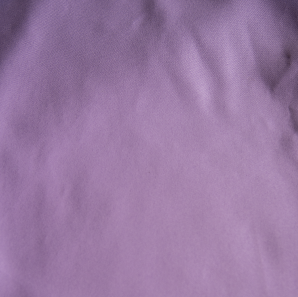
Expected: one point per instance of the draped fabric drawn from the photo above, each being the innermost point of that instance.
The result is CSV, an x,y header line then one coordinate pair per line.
x,y
148,148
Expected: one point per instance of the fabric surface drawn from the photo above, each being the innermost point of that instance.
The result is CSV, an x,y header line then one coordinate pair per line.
x,y
148,148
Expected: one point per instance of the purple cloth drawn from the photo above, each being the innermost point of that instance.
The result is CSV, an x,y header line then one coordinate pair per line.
x,y
148,148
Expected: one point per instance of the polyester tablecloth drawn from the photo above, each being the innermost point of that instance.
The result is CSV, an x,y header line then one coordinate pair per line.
x,y
148,148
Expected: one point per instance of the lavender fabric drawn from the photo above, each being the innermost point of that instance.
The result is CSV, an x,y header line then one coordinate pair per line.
x,y
148,148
